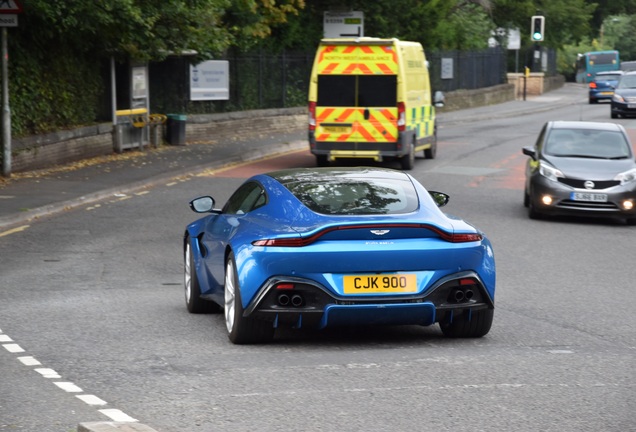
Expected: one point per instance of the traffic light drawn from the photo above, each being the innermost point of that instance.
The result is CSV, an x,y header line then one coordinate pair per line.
x,y
537,28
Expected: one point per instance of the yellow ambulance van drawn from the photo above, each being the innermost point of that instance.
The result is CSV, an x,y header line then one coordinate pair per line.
x,y
370,98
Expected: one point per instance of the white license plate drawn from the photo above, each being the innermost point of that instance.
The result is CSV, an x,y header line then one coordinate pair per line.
x,y
584,196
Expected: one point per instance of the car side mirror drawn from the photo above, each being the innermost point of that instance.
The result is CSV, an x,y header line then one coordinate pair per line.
x,y
203,204
529,151
440,198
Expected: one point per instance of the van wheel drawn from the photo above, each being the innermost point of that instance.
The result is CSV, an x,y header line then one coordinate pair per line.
x,y
408,160
321,160
431,152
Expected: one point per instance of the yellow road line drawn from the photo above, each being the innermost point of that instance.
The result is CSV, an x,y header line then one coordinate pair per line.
x,y
14,230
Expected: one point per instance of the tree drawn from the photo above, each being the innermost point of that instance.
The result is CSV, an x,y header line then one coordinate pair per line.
x,y
566,21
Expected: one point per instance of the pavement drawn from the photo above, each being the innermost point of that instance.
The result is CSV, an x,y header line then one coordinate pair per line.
x,y
28,196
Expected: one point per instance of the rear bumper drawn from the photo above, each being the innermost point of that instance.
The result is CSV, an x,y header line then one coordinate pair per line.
x,y
598,95
368,150
310,305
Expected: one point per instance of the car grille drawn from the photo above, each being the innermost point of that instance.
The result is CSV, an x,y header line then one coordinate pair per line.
x,y
631,99
579,184
587,205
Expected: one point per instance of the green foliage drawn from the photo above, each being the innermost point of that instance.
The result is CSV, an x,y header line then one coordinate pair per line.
x,y
60,49
618,32
53,90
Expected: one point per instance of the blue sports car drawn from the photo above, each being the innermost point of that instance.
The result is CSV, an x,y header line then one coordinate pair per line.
x,y
323,247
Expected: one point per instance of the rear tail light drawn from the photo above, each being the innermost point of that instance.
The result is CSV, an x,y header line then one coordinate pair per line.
x,y
312,116
401,123
304,241
592,85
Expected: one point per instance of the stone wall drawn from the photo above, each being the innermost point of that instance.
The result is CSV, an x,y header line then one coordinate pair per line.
x,y
43,151
462,99
536,83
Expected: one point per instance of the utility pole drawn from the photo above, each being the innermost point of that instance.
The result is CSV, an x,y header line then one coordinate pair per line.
x,y
9,10
6,111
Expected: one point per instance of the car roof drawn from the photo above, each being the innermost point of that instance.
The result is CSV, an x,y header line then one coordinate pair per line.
x,y
336,173
585,125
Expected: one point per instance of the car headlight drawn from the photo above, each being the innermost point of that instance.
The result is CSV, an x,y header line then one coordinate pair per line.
x,y
549,172
627,176
618,98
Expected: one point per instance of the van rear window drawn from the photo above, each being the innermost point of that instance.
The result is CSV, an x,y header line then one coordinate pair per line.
x,y
372,90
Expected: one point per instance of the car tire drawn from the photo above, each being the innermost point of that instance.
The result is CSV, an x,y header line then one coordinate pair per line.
x,y
469,324
614,115
593,101
194,302
408,160
240,329
631,221
431,152
532,210
526,199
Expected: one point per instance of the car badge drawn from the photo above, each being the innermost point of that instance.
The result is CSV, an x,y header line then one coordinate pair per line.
x,y
589,184
379,232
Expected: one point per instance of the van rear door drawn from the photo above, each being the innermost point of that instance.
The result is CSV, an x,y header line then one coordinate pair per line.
x,y
357,95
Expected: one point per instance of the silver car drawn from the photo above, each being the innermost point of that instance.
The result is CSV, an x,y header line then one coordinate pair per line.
x,y
582,169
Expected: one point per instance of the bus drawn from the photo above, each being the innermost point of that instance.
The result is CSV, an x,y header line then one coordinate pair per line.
x,y
590,63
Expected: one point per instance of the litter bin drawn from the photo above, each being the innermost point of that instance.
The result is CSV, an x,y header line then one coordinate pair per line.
x,y
175,129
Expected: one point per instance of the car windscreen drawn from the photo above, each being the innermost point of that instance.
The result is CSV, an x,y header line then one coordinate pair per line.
x,y
587,143
353,196
607,77
357,90
627,82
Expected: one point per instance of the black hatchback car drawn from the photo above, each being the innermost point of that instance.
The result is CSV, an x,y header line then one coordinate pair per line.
x,y
583,169
624,98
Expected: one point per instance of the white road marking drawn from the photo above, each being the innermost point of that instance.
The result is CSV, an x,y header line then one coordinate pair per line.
x,y
91,399
13,348
48,373
560,352
117,415
29,361
68,387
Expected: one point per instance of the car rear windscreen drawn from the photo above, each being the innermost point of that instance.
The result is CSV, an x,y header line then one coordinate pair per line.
x,y
340,196
357,90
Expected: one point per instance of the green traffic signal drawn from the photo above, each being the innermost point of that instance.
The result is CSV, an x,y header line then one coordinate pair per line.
x,y
538,23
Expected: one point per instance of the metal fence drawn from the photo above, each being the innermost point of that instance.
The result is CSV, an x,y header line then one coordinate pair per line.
x,y
466,70
262,80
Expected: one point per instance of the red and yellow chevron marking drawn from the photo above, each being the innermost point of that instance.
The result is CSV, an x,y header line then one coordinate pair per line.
x,y
357,60
349,125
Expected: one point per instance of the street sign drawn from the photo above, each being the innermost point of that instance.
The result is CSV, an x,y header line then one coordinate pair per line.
x,y
10,7
343,24
8,20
